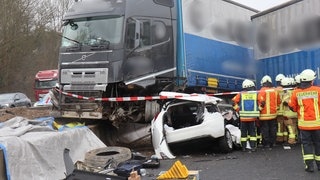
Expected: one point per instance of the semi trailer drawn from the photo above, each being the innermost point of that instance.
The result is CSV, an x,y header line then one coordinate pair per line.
x,y
287,39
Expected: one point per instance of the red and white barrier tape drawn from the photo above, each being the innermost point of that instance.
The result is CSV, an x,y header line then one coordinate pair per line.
x,y
123,99
148,98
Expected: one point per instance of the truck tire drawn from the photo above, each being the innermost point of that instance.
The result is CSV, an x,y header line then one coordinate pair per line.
x,y
225,142
151,109
99,157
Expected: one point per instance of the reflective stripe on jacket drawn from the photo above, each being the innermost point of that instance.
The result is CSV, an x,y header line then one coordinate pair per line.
x,y
280,92
271,99
286,110
247,105
306,103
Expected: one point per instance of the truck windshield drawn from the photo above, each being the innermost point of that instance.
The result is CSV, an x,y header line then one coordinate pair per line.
x,y
93,31
45,84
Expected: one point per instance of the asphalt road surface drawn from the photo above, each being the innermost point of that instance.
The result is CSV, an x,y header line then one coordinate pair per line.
x,y
275,164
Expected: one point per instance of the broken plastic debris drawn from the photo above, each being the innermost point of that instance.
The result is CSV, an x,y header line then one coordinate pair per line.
x,y
286,147
177,170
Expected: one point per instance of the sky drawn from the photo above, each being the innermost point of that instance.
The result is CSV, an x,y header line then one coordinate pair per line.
x,y
261,4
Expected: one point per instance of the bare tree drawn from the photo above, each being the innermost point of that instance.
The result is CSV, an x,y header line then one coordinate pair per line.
x,y
28,40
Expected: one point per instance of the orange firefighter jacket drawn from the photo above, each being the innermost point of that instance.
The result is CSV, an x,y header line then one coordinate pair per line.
x,y
306,102
286,110
268,100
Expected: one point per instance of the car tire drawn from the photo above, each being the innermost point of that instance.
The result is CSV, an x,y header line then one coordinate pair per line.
x,y
225,142
99,157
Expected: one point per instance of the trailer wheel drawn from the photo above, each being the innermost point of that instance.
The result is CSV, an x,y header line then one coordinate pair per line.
x,y
225,142
151,109
101,156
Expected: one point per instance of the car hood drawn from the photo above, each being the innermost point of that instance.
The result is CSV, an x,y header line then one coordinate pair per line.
x,y
5,101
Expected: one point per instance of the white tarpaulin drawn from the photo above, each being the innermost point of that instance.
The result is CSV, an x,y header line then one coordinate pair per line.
x,y
33,150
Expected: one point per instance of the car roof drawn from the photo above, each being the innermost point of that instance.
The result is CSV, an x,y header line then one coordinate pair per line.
x,y
11,93
191,97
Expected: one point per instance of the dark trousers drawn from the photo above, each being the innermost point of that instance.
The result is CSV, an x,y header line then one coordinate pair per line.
x,y
268,132
248,128
310,146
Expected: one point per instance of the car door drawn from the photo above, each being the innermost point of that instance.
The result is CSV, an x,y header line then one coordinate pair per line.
x,y
16,100
24,100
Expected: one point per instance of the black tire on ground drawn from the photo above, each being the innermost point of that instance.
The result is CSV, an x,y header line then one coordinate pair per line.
x,y
225,142
99,157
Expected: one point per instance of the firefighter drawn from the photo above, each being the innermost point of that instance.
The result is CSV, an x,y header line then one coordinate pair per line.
x,y
268,101
246,103
282,134
289,116
306,102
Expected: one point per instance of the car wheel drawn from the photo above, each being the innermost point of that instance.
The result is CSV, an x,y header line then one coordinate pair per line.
x,y
101,156
225,142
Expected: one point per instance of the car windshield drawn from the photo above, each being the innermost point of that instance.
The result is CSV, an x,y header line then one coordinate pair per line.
x,y
45,84
93,31
6,96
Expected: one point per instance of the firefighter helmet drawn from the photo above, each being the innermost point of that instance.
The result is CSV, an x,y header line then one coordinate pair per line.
x,y
297,79
293,82
247,84
279,77
265,79
286,82
307,75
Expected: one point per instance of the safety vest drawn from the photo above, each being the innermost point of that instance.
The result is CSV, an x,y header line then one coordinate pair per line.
x,y
271,99
247,104
280,107
286,110
306,103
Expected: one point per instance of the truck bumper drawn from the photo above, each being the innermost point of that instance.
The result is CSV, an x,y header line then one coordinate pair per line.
x,y
86,115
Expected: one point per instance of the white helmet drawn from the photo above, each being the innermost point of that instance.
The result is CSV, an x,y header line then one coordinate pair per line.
x,y
286,82
247,84
265,79
293,82
279,77
297,79
307,75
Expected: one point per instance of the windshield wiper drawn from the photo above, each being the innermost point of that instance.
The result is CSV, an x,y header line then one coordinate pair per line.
x,y
73,40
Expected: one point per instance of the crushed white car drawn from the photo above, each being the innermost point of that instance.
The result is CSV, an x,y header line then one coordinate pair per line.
x,y
192,117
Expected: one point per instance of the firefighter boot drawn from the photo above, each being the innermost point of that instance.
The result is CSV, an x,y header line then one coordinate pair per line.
x,y
243,145
253,146
318,165
309,166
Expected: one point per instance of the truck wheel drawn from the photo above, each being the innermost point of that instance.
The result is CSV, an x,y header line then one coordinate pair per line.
x,y
101,156
151,109
225,142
